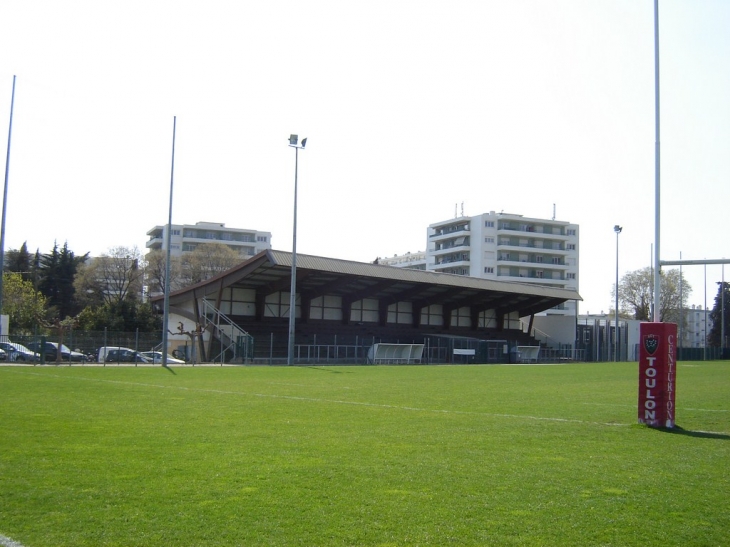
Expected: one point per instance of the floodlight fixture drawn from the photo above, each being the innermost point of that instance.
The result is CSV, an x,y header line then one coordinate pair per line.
x,y
617,229
293,139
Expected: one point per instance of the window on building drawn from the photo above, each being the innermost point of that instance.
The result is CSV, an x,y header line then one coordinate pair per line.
x,y
571,231
176,232
489,270
488,240
570,276
489,224
570,246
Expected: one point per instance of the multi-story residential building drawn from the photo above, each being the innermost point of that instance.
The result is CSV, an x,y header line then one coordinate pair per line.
x,y
696,326
414,261
504,247
185,237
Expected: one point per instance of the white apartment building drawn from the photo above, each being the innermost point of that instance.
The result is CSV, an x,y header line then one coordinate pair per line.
x,y
504,247
695,328
414,261
185,237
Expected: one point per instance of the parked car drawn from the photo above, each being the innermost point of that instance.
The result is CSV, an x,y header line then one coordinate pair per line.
x,y
118,354
50,350
156,357
3,355
18,352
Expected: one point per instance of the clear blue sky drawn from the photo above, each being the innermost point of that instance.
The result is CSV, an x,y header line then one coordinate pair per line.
x,y
410,108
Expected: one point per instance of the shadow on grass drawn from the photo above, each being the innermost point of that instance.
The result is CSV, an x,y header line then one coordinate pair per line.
x,y
168,369
676,430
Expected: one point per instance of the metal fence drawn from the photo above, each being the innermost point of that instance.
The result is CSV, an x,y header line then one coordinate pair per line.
x,y
88,343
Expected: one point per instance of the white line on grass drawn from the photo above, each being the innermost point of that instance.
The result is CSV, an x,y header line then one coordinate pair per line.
x,y
334,401
372,405
7,542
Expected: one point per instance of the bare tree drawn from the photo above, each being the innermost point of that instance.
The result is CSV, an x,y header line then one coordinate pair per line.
x,y
636,294
155,272
208,260
111,278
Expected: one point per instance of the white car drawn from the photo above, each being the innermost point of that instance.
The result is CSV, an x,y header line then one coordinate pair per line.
x,y
156,357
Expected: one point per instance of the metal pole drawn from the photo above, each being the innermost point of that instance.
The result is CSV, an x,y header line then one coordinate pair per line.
x,y
704,338
722,314
657,164
616,346
166,302
681,304
293,289
5,202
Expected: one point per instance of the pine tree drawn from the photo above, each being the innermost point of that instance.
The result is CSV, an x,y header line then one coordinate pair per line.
x,y
19,261
716,315
58,269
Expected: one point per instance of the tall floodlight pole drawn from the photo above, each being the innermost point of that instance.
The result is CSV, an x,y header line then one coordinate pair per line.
x,y
616,229
293,140
657,163
168,237
5,203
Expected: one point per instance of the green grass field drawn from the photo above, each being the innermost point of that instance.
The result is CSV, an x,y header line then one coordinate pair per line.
x,y
382,455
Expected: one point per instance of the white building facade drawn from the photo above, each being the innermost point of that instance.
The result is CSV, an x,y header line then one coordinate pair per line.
x,y
186,237
504,247
695,328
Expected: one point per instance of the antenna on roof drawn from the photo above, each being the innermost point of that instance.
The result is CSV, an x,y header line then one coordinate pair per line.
x,y
462,208
553,211
456,206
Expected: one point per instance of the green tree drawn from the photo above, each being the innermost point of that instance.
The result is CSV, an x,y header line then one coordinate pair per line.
x,y
22,303
125,316
19,261
636,291
57,273
716,315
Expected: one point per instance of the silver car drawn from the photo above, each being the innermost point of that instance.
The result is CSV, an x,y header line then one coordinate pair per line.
x,y
18,352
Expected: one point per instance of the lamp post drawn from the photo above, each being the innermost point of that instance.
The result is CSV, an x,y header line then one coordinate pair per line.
x,y
616,229
293,142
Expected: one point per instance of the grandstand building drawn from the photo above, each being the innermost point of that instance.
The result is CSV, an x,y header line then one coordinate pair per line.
x,y
344,307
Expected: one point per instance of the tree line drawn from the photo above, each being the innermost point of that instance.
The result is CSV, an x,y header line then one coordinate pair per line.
x,y
92,293
636,300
